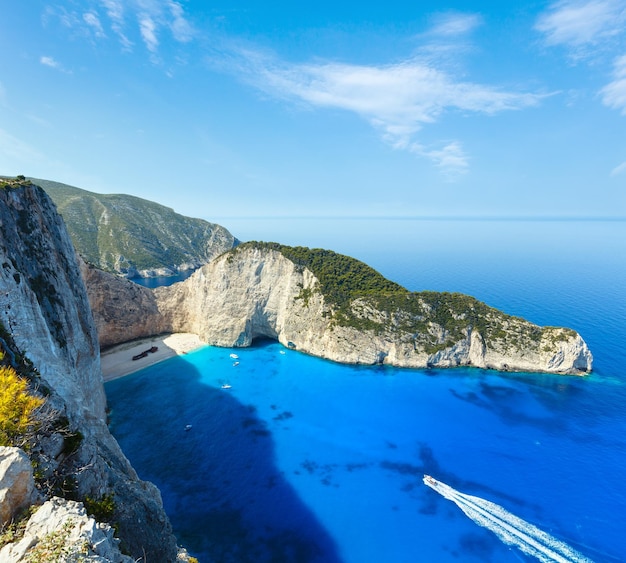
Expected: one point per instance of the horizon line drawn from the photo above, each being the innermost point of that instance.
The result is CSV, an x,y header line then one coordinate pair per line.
x,y
520,218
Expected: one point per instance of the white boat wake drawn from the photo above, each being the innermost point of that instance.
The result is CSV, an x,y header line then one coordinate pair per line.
x,y
508,527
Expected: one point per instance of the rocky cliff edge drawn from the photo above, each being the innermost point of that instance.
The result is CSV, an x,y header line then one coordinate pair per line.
x,y
268,290
49,334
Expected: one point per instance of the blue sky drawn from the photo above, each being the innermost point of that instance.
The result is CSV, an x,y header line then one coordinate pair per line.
x,y
329,108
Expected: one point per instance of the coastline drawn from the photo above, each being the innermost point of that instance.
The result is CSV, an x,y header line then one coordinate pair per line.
x,y
117,361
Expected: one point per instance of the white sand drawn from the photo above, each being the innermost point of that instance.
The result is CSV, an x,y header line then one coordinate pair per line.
x,y
118,360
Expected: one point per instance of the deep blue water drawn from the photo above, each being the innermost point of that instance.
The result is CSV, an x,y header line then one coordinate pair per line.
x,y
163,281
308,460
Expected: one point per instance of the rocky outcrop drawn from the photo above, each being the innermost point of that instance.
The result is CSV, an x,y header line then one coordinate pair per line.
x,y
122,310
17,486
46,312
60,530
43,303
256,292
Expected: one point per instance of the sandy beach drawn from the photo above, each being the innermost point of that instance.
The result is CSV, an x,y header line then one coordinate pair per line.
x,y
118,360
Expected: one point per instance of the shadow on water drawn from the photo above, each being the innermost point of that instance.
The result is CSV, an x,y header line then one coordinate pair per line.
x,y
226,498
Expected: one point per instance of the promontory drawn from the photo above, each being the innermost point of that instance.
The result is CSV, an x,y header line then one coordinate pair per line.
x,y
334,307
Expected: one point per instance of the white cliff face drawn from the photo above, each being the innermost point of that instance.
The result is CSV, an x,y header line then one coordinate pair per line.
x,y
255,292
46,312
230,302
122,309
43,303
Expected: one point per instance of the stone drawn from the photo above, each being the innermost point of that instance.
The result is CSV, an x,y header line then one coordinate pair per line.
x,y
17,486
255,293
45,307
65,523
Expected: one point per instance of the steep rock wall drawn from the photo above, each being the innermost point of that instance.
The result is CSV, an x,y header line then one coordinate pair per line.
x,y
122,309
44,304
257,292
46,311
254,292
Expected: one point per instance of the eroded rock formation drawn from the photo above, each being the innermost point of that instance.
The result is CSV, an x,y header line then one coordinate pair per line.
x,y
61,528
254,292
46,312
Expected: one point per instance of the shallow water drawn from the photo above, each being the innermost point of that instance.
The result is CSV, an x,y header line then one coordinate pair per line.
x,y
308,460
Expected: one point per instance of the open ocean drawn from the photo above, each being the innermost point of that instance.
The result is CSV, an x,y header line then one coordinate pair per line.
x,y
305,460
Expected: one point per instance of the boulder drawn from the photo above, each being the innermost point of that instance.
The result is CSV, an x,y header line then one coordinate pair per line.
x,y
17,486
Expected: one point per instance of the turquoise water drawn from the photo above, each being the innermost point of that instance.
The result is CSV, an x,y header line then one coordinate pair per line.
x,y
308,460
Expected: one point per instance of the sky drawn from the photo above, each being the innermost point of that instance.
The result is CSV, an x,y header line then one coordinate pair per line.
x,y
250,108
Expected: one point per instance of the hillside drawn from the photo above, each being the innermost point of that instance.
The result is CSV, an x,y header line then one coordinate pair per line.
x,y
135,237
362,298
332,306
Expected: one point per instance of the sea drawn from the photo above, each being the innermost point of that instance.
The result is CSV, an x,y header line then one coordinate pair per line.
x,y
306,460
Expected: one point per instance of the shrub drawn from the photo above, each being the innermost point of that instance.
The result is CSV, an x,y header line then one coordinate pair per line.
x,y
17,408
102,510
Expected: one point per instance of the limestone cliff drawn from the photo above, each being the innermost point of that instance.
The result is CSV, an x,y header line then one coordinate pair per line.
x,y
257,291
122,310
46,315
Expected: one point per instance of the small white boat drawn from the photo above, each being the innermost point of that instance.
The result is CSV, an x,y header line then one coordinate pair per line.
x,y
235,364
226,386
282,352
188,427
234,356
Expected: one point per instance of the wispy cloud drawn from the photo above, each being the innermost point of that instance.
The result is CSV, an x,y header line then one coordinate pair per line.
x,y
591,29
53,63
582,26
396,99
147,29
614,93
115,11
182,30
454,24
93,21
158,16
620,169
146,20
450,159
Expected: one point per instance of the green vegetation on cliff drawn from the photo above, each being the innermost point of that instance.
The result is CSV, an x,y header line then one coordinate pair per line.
x,y
124,234
17,408
362,298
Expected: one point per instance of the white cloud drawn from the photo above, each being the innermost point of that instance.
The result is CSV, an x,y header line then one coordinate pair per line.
x,y
115,11
450,159
582,25
181,28
93,21
150,19
614,93
147,28
155,15
52,63
49,61
455,24
397,100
